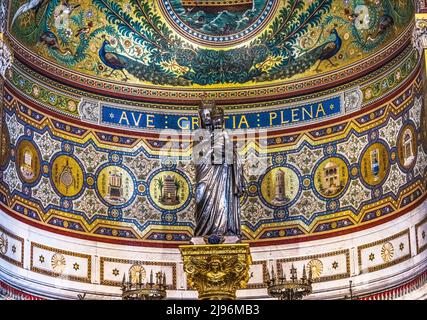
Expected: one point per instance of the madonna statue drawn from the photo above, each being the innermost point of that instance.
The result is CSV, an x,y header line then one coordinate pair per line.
x,y
219,179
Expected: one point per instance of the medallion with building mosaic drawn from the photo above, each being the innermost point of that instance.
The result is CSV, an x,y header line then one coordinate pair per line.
x,y
331,177
169,190
280,186
67,176
115,185
375,164
27,161
407,146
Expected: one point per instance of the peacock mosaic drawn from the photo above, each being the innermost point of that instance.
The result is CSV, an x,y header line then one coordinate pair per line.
x,y
317,180
173,43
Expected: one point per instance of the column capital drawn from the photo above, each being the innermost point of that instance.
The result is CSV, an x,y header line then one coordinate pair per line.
x,y
217,271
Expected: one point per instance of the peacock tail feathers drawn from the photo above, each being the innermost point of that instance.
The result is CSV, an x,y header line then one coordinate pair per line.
x,y
152,74
78,19
147,30
291,67
152,23
399,15
294,21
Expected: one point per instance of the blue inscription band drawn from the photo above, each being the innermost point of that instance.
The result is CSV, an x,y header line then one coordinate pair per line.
x,y
281,117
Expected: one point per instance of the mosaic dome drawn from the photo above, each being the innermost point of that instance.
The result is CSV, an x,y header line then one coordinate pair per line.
x,y
160,49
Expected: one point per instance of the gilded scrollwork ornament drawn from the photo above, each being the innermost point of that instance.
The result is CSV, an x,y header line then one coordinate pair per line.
x,y
217,271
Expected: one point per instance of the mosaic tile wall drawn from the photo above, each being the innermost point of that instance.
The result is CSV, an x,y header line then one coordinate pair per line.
x,y
72,178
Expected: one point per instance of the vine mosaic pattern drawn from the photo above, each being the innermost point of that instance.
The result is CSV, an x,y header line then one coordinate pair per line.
x,y
167,43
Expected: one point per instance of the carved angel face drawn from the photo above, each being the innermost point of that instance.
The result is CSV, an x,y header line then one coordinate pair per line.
x,y
215,266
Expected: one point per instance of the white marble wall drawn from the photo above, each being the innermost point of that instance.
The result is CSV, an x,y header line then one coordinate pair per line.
x,y
56,266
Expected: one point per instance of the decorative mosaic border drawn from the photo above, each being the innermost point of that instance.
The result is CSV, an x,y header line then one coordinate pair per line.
x,y
53,216
259,285
417,226
319,256
19,263
67,125
68,135
34,84
387,264
150,93
87,279
132,262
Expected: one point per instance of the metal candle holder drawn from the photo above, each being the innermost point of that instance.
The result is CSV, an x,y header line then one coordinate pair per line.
x,y
293,289
151,290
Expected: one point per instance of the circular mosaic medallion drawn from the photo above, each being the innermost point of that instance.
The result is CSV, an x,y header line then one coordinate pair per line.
x,y
169,190
67,176
375,164
58,263
90,181
137,273
115,185
27,161
141,188
407,147
331,177
280,186
218,22
306,182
